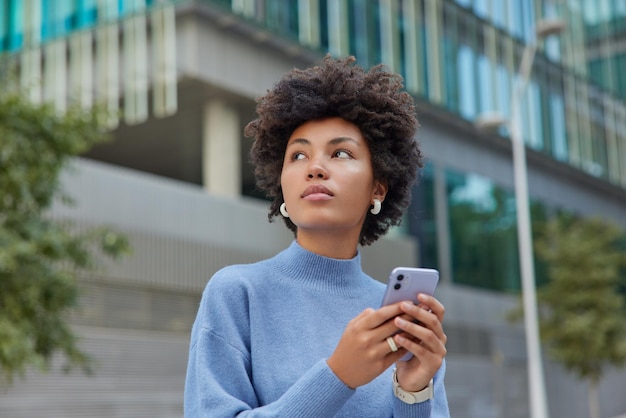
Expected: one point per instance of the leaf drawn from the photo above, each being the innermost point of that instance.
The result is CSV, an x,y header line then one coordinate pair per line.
x,y
40,259
581,307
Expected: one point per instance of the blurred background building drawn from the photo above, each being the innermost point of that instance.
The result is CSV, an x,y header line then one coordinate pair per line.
x,y
180,79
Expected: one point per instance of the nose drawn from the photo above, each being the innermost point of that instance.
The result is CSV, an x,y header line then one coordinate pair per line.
x,y
317,170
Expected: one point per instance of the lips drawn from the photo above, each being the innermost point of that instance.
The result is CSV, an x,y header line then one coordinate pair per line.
x,y
316,190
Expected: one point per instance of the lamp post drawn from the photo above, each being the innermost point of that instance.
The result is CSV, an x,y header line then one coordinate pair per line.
x,y
536,386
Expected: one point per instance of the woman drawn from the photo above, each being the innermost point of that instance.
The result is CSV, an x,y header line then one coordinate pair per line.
x,y
302,334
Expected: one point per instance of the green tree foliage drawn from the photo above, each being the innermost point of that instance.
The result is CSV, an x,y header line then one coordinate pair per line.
x,y
582,311
40,258
581,308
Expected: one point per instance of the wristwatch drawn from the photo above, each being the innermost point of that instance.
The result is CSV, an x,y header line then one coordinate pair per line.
x,y
412,397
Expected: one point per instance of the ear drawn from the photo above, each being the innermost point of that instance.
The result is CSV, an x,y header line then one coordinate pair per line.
x,y
379,190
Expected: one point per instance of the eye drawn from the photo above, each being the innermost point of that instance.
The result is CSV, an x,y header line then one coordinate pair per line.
x,y
342,154
298,156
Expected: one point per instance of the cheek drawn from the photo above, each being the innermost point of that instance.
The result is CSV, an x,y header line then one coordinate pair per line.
x,y
359,190
361,179
285,183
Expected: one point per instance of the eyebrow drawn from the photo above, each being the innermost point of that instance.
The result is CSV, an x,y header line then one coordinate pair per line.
x,y
333,141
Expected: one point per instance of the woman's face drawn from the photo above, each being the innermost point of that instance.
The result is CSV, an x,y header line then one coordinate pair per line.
x,y
327,178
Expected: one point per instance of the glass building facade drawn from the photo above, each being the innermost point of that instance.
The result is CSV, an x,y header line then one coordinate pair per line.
x,y
53,19
464,56
461,57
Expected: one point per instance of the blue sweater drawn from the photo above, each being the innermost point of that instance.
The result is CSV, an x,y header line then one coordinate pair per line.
x,y
264,331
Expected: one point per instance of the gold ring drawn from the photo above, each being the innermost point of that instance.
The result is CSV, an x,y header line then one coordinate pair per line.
x,y
392,344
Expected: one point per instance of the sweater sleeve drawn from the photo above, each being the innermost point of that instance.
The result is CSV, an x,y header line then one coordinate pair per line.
x,y
219,378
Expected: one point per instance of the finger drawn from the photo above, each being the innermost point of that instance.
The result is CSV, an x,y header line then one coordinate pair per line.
x,y
431,359
389,328
421,335
393,356
371,318
425,317
435,306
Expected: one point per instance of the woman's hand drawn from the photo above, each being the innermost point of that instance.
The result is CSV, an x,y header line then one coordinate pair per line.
x,y
363,351
425,340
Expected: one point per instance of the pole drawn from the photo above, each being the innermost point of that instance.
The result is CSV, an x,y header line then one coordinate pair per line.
x,y
536,387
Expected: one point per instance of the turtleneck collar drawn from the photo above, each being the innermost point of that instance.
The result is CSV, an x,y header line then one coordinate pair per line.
x,y
325,274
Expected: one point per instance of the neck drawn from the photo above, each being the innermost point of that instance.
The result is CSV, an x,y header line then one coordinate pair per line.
x,y
299,265
329,244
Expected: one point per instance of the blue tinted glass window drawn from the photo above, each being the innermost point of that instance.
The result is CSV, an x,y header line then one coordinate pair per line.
x,y
283,17
422,220
557,119
127,7
48,27
485,86
425,88
323,13
552,43
528,20
601,13
481,8
402,34
365,31
621,69
595,71
86,13
483,234
450,52
358,22
375,47
4,27
524,114
499,13
503,88
599,146
553,48
516,18
108,11
57,18
467,83
535,125
15,25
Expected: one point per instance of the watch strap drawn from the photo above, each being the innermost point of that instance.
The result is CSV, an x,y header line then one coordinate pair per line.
x,y
412,397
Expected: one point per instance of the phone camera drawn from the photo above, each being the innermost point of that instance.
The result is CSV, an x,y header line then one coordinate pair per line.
x,y
400,277
397,286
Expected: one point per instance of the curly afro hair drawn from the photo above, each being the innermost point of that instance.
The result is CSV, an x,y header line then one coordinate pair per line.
x,y
373,100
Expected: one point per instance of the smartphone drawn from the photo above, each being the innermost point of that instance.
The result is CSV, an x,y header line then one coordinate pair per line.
x,y
405,283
